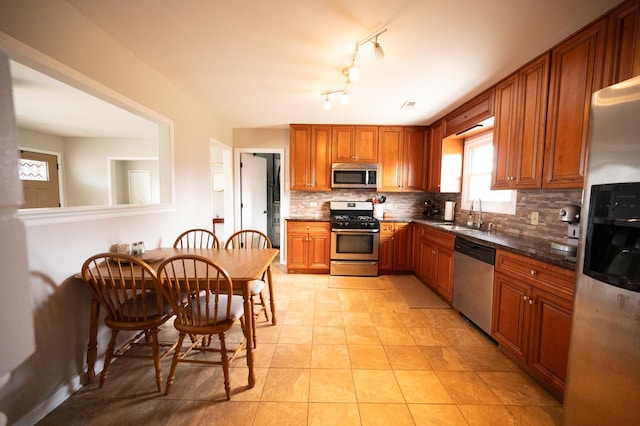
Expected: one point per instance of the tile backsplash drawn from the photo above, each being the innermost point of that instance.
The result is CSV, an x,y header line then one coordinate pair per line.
x,y
411,205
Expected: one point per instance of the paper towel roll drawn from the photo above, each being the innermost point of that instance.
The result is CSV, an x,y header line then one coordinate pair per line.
x,y
449,211
378,211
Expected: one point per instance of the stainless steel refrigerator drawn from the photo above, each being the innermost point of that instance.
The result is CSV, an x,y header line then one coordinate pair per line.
x,y
603,373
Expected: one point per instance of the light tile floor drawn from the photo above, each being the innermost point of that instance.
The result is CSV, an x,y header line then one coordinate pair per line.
x,y
336,357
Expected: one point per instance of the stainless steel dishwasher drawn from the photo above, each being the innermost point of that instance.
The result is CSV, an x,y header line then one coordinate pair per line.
x,y
473,281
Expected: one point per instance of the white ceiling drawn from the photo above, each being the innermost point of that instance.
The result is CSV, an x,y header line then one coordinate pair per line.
x,y
264,63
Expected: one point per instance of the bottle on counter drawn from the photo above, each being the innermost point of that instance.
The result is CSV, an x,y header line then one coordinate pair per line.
x,y
470,220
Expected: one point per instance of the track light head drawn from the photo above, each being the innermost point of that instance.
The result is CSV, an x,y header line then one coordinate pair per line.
x,y
327,102
378,49
344,99
351,73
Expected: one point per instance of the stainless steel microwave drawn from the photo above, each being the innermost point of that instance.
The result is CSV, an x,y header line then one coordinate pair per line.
x,y
354,175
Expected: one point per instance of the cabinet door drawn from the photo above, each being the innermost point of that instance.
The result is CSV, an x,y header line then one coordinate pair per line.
x,y
469,114
435,157
504,132
510,319
623,43
310,166
319,250
300,148
444,273
576,72
428,262
320,158
342,142
551,327
530,129
416,249
297,254
366,144
385,254
389,167
403,243
414,160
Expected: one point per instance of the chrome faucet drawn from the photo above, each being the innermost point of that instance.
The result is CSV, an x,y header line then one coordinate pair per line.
x,y
479,223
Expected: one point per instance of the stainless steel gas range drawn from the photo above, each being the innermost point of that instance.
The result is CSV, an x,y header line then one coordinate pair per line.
x,y
355,237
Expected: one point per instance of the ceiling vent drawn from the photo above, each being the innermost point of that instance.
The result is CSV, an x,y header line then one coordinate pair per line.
x,y
408,105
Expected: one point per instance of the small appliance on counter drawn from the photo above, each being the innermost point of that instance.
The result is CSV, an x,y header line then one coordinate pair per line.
x,y
571,215
431,209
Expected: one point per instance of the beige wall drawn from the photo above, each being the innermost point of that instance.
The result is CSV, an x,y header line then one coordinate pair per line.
x,y
56,252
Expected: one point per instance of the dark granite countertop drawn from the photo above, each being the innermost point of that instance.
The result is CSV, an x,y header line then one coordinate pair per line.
x,y
535,248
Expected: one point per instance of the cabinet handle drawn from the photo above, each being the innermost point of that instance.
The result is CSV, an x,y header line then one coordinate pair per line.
x,y
531,301
534,272
525,298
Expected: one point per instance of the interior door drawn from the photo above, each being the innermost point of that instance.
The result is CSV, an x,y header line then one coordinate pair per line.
x,y
39,176
253,192
139,186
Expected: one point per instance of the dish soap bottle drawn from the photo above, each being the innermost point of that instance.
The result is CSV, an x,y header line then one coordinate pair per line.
x,y
470,220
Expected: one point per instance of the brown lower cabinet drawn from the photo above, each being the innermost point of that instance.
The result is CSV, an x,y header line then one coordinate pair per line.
x,y
433,263
532,309
308,247
395,247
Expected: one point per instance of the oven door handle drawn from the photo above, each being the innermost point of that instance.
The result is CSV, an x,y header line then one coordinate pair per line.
x,y
355,231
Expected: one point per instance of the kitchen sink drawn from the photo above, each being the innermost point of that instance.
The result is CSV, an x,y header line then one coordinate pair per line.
x,y
457,228
454,227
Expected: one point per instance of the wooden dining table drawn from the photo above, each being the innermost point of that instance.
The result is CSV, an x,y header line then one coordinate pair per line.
x,y
242,265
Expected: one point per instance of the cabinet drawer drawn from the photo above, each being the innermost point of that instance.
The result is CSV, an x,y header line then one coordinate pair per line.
x,y
539,274
442,238
386,228
473,112
309,227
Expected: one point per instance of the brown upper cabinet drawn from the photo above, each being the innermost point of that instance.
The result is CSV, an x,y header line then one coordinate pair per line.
x,y
402,165
518,138
471,113
354,144
577,66
445,152
310,165
623,38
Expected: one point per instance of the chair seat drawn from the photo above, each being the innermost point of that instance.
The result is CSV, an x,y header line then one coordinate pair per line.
x,y
237,307
256,287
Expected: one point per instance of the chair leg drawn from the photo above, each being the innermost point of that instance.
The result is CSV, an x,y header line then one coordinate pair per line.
x,y
225,365
155,345
108,356
264,307
174,362
253,330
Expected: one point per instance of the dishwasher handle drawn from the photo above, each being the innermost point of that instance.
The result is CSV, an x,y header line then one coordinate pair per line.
x,y
477,251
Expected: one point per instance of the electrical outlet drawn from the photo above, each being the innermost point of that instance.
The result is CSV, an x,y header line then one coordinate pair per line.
x,y
535,218
313,204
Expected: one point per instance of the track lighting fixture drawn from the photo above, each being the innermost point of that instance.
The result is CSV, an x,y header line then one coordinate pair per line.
x,y
344,98
350,72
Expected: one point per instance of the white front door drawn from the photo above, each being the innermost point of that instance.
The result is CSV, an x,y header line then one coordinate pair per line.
x,y
253,192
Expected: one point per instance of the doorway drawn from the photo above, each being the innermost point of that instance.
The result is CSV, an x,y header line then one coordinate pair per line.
x,y
270,182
